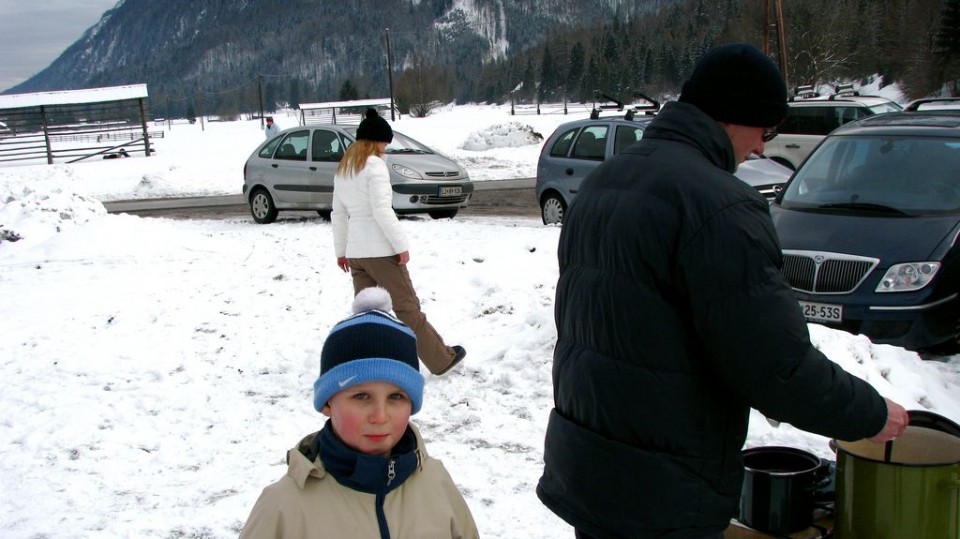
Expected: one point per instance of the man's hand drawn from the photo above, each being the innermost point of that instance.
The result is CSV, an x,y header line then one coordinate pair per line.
x,y
897,421
342,263
403,258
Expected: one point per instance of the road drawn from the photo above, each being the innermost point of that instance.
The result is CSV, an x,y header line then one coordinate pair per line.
x,y
494,197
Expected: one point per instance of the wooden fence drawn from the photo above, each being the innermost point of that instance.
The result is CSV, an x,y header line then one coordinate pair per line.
x,y
74,132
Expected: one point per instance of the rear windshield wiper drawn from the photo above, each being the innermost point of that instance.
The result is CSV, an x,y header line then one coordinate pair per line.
x,y
407,150
863,206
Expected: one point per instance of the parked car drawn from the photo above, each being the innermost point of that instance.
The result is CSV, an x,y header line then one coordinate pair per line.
x,y
931,103
869,227
576,148
811,117
295,169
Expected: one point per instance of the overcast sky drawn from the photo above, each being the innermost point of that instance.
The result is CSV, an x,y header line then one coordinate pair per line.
x,y
34,33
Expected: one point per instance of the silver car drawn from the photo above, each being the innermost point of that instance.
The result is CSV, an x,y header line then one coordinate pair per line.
x,y
295,169
576,148
810,119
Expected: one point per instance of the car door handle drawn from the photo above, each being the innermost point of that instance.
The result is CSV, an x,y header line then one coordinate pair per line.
x,y
569,172
313,169
274,165
792,146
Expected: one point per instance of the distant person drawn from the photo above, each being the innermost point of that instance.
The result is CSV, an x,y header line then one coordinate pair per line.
x,y
370,243
366,473
674,319
122,153
271,129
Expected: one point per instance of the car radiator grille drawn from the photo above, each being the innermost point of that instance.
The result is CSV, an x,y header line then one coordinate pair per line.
x,y
450,174
443,200
826,273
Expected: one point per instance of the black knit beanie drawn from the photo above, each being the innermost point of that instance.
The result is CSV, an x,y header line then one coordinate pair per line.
x,y
737,84
375,128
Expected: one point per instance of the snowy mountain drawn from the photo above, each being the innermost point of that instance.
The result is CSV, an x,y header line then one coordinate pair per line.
x,y
180,47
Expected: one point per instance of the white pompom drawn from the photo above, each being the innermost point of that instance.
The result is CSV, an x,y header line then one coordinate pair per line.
x,y
373,298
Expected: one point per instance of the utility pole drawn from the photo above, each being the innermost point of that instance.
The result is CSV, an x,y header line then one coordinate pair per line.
x,y
780,35
390,73
260,97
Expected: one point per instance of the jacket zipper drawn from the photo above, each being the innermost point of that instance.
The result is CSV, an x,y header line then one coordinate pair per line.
x,y
381,497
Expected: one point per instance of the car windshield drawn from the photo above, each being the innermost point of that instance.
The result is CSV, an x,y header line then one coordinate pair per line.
x,y
400,144
897,175
885,107
404,144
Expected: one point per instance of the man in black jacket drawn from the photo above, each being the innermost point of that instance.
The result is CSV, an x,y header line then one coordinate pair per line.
x,y
673,320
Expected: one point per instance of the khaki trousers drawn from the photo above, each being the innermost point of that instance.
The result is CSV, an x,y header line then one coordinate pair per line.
x,y
387,273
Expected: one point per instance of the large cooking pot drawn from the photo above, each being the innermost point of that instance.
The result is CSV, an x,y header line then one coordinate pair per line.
x,y
906,488
778,488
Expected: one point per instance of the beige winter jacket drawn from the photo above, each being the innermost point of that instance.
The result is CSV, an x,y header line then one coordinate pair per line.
x,y
364,223
309,503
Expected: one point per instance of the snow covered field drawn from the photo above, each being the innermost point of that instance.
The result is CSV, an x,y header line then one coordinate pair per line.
x,y
156,371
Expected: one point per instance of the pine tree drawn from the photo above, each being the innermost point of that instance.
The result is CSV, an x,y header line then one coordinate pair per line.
x,y
947,43
575,72
348,91
548,76
294,94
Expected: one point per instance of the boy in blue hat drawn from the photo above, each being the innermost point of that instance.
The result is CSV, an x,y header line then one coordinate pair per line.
x,y
367,472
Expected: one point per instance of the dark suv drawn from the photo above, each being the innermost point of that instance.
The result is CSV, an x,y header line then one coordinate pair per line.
x,y
869,226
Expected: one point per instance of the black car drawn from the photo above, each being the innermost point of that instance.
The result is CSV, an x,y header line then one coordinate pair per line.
x,y
869,227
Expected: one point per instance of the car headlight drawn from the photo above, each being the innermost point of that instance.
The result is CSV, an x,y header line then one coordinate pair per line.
x,y
908,277
407,172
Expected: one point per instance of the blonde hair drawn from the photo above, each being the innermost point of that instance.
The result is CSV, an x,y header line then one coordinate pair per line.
x,y
356,156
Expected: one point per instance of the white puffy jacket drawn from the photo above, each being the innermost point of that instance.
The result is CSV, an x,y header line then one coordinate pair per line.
x,y
364,223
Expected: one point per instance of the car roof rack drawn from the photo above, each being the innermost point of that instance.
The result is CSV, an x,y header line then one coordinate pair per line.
x,y
844,90
804,91
914,105
650,107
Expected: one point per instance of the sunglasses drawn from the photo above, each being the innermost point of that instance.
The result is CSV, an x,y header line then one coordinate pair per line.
x,y
769,133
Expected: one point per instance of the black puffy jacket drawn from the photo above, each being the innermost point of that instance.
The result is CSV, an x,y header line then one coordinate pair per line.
x,y
673,320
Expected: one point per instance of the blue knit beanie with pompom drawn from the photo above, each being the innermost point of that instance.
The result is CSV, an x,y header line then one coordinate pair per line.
x,y
370,346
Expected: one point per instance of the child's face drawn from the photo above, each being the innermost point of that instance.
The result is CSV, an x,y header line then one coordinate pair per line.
x,y
370,417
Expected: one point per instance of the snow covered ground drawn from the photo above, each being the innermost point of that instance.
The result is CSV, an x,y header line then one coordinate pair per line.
x,y
155,371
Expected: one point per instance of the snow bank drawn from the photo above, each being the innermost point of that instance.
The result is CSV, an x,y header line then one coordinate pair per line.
x,y
32,217
508,135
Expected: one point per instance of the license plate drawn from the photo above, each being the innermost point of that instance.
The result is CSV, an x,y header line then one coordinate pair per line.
x,y
822,312
450,191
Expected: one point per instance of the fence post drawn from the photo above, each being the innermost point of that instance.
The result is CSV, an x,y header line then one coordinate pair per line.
x,y
46,133
143,123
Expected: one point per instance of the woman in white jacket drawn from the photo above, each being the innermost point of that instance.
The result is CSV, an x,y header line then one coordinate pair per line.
x,y
370,243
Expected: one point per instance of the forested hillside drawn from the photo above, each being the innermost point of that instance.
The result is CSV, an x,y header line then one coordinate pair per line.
x,y
226,56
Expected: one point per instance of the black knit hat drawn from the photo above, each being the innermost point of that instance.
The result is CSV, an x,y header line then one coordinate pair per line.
x,y
375,128
737,84
370,346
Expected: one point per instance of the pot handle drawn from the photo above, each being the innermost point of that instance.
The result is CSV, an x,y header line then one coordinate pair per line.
x,y
821,475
